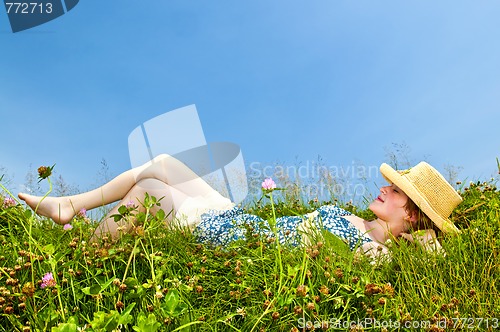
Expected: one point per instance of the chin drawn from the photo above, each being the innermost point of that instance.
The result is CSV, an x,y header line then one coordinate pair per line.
x,y
375,211
371,206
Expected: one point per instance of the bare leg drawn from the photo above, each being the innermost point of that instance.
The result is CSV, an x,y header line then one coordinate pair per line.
x,y
172,171
164,168
171,200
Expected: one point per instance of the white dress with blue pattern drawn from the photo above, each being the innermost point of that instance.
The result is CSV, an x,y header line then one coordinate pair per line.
x,y
222,227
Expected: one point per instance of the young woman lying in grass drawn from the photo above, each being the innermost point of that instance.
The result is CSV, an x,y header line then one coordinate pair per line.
x,y
417,199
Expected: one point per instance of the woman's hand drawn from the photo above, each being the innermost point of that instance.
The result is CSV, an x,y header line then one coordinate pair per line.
x,y
426,238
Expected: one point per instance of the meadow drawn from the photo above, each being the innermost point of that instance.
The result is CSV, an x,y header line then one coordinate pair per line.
x,y
159,278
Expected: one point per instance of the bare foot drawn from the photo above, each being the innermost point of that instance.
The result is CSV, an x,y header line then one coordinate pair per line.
x,y
56,208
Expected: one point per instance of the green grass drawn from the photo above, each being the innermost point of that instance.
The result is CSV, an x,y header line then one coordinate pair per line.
x,y
160,279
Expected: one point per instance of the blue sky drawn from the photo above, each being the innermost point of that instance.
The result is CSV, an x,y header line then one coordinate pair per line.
x,y
286,80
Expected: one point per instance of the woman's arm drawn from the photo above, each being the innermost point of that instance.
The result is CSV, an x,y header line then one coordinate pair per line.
x,y
426,238
374,250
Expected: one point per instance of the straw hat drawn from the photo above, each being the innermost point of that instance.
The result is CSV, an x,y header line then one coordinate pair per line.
x,y
429,190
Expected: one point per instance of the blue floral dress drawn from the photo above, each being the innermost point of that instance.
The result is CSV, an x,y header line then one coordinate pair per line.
x,y
223,227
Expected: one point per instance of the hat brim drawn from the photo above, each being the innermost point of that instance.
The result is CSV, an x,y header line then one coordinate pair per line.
x,y
393,176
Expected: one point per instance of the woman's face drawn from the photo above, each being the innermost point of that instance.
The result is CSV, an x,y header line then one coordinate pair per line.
x,y
389,207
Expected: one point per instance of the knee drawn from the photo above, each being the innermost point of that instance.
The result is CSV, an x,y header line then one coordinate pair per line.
x,y
161,157
166,161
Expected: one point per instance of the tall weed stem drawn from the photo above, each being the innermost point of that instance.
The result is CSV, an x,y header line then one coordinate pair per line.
x,y
278,246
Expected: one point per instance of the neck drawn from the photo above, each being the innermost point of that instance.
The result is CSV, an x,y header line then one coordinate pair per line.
x,y
377,229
